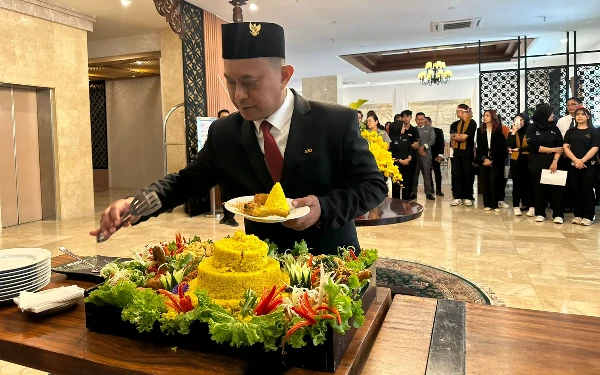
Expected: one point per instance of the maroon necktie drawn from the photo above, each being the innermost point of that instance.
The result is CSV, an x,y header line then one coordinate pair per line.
x,y
272,153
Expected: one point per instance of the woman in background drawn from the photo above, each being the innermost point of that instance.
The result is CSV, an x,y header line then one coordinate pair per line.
x,y
519,166
373,126
387,127
545,147
581,147
491,157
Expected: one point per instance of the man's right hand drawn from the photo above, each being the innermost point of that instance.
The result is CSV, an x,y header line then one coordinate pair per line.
x,y
111,218
439,159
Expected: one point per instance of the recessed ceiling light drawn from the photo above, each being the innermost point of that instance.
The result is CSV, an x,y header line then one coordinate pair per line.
x,y
253,6
548,54
368,83
139,62
590,22
325,89
133,76
126,3
563,41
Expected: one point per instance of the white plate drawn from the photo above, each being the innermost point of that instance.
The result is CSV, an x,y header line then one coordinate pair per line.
x,y
11,283
22,286
32,288
18,274
295,213
16,259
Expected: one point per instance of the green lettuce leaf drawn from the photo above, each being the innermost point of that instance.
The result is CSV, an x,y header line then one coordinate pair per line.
x,y
358,314
300,249
265,329
145,309
119,295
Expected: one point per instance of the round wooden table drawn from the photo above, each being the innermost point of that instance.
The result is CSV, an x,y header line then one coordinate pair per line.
x,y
390,211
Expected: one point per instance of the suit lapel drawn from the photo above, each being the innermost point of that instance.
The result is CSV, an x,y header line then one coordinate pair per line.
x,y
299,129
257,159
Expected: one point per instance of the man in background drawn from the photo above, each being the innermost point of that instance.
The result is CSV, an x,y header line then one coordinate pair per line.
x,y
437,153
228,216
424,157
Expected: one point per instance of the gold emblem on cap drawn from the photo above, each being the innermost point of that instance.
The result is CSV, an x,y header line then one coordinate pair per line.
x,y
255,29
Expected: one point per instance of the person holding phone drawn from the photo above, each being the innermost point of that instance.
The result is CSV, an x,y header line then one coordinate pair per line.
x,y
519,166
581,147
545,147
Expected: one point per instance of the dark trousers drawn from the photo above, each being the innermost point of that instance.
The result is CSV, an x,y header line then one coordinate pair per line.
x,y
224,198
436,169
408,173
462,178
491,183
597,188
582,182
537,162
568,197
522,183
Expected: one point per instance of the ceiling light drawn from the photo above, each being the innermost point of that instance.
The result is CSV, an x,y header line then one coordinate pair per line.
x,y
325,89
394,53
126,3
563,41
139,62
253,6
368,83
548,54
133,76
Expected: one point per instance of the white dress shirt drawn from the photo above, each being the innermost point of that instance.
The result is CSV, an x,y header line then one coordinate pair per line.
x,y
281,121
564,124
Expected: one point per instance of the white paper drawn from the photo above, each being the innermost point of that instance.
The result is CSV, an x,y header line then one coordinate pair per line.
x,y
559,178
202,126
49,297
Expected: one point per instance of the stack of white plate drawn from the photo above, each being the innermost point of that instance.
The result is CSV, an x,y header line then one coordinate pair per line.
x,y
23,269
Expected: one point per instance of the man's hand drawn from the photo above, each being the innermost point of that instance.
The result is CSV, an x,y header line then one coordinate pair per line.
x,y
487,163
421,151
309,220
439,159
111,218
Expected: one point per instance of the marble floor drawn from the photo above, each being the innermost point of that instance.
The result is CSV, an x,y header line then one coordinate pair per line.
x,y
540,266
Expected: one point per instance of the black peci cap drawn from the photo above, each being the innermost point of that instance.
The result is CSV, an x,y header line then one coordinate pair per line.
x,y
249,40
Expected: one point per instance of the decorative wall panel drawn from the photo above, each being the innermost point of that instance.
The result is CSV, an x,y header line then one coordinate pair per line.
x,y
194,73
499,90
98,124
194,86
442,112
588,88
548,85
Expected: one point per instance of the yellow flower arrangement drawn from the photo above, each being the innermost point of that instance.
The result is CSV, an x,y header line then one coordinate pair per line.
x,y
378,148
383,157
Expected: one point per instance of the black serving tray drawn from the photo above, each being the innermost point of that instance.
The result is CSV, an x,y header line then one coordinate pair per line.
x,y
80,271
326,357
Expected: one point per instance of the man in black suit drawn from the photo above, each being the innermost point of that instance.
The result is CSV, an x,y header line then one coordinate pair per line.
x,y
437,152
314,149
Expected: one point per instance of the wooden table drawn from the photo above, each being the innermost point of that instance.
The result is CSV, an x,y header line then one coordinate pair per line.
x,y
449,337
61,344
390,211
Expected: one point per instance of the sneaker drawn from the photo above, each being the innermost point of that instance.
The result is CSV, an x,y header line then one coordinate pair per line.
x,y
531,212
517,211
503,204
558,220
539,219
576,220
468,202
456,202
587,222
487,209
497,210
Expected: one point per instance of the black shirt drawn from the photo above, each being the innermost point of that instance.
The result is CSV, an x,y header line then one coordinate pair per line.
x,y
547,137
582,140
468,152
401,147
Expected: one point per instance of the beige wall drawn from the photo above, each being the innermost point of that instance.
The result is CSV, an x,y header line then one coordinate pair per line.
x,y
134,129
171,78
124,46
323,89
41,53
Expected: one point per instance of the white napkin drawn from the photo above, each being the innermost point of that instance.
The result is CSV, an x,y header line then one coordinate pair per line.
x,y
49,299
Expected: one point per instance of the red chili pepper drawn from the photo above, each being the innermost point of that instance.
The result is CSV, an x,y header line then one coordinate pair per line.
x,y
310,259
273,305
328,316
258,310
305,314
333,310
314,277
353,255
307,304
296,327
180,290
172,298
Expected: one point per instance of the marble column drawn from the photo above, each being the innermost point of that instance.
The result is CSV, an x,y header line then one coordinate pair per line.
x,y
324,89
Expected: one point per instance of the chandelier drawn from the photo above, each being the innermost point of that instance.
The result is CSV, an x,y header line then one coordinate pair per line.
x,y
435,73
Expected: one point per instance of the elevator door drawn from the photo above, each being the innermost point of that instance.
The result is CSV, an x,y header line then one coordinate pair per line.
x,y
21,198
